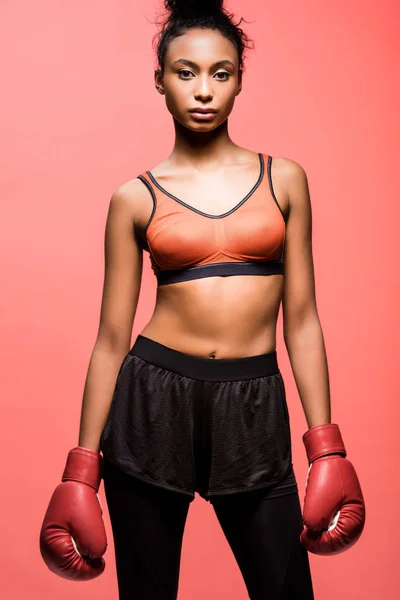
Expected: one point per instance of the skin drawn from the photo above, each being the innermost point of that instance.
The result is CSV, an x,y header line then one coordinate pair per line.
x,y
215,317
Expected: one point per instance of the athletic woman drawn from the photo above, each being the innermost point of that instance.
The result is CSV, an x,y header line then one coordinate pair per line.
x,y
198,403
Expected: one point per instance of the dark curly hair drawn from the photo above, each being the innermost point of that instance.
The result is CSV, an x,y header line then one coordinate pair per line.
x,y
205,14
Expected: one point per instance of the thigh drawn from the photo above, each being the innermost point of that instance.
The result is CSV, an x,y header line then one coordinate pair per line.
x,y
263,533
148,524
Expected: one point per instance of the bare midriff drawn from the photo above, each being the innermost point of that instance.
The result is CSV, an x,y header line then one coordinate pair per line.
x,y
218,317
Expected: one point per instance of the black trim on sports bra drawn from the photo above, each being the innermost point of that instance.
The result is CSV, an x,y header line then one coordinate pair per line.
x,y
154,202
253,189
223,269
271,187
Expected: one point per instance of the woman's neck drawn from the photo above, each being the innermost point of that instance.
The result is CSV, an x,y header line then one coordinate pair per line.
x,y
201,149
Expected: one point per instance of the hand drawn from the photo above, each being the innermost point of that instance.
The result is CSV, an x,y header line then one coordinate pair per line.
x,y
73,537
334,509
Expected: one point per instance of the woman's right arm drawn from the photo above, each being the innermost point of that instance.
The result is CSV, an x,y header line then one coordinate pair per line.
x,y
73,532
122,279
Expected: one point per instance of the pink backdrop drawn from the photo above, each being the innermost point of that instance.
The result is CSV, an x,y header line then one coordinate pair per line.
x,y
80,115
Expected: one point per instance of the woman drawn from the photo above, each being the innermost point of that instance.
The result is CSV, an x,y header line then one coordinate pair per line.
x,y
198,403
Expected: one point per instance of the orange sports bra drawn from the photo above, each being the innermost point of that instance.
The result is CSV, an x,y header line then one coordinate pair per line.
x,y
185,243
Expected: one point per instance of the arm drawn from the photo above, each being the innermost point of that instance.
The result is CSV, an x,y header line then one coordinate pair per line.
x,y
122,280
334,510
301,326
73,537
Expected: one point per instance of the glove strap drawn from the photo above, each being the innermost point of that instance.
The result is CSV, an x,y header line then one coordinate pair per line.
x,y
84,465
321,440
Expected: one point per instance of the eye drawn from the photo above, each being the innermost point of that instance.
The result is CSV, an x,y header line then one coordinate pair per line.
x,y
225,74
185,71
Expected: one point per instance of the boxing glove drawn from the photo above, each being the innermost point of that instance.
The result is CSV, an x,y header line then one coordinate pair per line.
x,y
334,509
73,537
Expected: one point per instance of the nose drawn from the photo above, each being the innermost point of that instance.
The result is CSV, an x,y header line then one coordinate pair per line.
x,y
203,90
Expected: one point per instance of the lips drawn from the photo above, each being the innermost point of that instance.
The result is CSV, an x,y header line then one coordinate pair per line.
x,y
202,116
202,110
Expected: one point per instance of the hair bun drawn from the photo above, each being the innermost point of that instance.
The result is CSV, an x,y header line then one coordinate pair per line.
x,y
193,8
183,15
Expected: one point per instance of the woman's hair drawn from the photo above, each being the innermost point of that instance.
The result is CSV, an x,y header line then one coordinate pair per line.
x,y
205,14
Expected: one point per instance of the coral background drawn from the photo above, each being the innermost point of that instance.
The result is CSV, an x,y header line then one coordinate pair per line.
x,y
79,113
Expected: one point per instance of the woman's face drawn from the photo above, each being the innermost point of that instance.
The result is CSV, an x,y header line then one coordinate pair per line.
x,y
201,70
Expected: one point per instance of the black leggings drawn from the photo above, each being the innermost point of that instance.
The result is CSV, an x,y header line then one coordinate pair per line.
x,y
148,524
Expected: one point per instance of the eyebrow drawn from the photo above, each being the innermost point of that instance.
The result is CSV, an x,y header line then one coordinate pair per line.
x,y
190,63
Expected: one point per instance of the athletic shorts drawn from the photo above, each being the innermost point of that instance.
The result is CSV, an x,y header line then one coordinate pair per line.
x,y
192,424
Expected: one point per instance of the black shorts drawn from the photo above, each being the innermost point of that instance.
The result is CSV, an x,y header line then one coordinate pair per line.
x,y
187,423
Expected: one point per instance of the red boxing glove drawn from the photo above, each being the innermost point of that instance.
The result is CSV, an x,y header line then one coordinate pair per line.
x,y
73,537
334,510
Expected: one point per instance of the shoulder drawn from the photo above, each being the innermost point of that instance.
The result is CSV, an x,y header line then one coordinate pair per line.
x,y
129,197
293,178
129,192
289,169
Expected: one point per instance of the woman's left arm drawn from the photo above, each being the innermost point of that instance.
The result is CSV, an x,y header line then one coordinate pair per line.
x,y
301,325
334,508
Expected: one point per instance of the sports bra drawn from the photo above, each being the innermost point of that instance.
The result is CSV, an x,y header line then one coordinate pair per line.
x,y
185,243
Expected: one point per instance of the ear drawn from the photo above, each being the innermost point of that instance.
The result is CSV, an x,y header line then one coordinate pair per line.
x,y
239,87
158,81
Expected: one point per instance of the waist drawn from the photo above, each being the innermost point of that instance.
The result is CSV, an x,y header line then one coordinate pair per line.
x,y
190,365
230,316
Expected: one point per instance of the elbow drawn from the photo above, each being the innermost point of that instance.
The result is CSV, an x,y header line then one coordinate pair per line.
x,y
300,323
113,344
